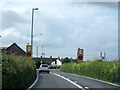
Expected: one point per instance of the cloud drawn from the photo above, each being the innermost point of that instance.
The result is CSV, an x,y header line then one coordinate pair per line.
x,y
58,41
11,18
111,5
10,36
66,27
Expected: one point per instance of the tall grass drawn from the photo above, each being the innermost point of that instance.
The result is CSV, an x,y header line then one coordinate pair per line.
x,y
17,72
108,71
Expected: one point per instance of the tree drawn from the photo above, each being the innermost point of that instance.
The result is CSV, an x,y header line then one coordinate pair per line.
x,y
66,60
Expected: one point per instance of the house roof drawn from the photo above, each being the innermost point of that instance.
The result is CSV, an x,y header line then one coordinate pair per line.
x,y
49,60
15,45
46,60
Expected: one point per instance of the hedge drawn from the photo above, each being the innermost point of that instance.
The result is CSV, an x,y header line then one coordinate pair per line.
x,y
103,70
17,72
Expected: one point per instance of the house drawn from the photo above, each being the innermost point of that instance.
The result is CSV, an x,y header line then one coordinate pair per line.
x,y
13,49
44,60
56,62
48,60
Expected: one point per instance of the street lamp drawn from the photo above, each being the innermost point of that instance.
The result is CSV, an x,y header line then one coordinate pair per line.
x,y
32,27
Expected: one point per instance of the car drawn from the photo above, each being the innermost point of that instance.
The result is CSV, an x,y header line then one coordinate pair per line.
x,y
44,68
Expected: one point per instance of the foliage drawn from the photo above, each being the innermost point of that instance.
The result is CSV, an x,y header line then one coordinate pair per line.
x,y
104,70
17,72
0,67
65,60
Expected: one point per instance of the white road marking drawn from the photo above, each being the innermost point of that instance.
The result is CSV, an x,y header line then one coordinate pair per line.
x,y
97,80
75,81
86,88
33,83
68,80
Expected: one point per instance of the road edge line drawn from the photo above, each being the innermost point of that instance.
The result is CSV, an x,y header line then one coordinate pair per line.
x,y
34,82
98,80
68,80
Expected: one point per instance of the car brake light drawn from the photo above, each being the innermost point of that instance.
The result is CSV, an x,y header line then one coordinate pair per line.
x,y
40,67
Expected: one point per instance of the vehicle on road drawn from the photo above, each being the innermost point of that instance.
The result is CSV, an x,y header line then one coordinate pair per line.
x,y
44,68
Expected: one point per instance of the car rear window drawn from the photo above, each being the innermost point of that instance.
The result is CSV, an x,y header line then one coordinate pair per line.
x,y
44,65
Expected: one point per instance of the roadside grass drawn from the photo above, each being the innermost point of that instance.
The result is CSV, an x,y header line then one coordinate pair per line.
x,y
103,70
17,72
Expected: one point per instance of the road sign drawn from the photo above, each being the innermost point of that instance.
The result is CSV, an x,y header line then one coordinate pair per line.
x,y
28,50
80,55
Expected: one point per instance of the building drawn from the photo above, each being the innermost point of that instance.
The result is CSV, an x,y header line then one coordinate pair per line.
x,y
41,60
13,49
44,60
56,62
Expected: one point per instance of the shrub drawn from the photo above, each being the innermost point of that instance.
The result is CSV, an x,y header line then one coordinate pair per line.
x,y
17,72
65,60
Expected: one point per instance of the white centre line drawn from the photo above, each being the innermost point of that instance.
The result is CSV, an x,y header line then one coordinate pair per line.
x,y
68,80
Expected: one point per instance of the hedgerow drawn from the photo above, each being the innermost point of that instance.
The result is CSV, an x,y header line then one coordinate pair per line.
x,y
17,72
104,70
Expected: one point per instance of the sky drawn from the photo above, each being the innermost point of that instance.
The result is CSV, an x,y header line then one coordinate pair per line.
x,y
65,27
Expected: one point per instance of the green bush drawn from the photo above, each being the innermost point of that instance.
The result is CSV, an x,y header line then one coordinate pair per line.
x,y
108,71
17,72
65,60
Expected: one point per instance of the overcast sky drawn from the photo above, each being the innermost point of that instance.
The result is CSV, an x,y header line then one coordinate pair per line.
x,y
66,26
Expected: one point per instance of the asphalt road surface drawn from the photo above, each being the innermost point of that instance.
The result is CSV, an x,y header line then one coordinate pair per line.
x,y
57,79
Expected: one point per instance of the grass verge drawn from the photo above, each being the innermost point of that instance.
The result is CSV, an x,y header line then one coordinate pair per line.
x,y
103,70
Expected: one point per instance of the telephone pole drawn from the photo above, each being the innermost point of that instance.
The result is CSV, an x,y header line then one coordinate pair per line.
x,y
37,51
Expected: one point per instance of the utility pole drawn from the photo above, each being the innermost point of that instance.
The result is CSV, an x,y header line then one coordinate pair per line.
x,y
101,55
104,56
37,51
42,50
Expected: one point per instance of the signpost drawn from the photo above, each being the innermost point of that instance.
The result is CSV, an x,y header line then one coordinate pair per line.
x,y
28,50
80,55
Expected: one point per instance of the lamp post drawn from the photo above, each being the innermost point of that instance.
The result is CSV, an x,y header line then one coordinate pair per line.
x,y
32,27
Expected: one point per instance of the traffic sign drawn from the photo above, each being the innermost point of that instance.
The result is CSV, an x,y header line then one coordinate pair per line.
x,y
28,50
80,55
28,54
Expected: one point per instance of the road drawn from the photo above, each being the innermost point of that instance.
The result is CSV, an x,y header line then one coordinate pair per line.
x,y
57,79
